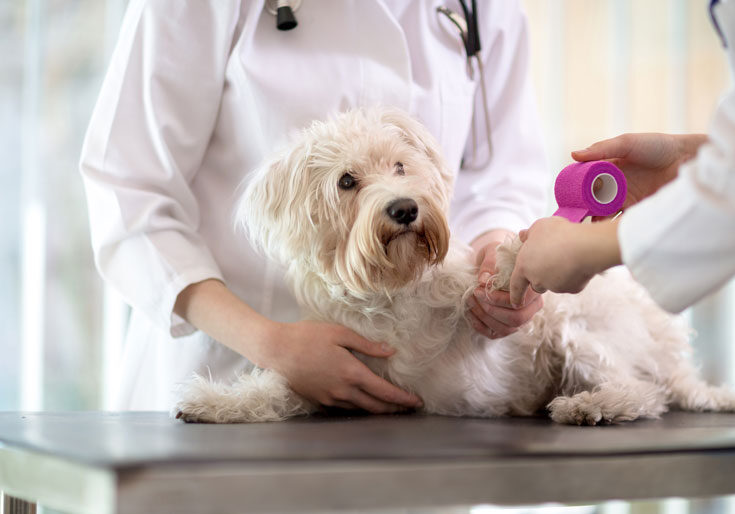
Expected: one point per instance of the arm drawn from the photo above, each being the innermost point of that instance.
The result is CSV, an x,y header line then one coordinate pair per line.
x,y
677,238
680,243
146,141
509,192
314,357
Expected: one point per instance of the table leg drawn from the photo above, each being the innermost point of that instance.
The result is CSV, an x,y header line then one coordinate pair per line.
x,y
13,505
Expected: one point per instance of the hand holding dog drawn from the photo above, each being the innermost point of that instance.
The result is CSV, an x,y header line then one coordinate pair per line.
x,y
491,313
314,357
316,360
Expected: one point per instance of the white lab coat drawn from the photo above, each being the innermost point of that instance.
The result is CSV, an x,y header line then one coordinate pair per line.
x,y
680,242
199,92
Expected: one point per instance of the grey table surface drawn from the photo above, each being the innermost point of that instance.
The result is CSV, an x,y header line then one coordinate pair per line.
x,y
324,463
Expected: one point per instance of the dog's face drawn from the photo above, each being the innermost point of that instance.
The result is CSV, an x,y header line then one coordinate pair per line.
x,y
361,200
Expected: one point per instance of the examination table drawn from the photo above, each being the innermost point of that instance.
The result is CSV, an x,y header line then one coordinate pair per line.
x,y
145,462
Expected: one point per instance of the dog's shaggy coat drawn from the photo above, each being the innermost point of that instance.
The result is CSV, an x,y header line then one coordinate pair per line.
x,y
326,209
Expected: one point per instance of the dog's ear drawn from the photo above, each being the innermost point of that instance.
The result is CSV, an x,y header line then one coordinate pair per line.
x,y
420,138
274,208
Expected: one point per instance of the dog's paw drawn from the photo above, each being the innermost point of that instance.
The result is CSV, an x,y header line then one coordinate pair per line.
x,y
194,407
259,396
190,417
588,408
575,411
505,261
203,401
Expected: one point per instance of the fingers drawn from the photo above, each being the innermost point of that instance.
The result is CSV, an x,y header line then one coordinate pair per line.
x,y
344,405
486,324
353,341
538,289
519,285
371,404
363,388
486,266
386,392
480,258
493,320
502,298
359,388
523,235
363,401
616,147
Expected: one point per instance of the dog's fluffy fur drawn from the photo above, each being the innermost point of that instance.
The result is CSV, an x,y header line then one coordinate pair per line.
x,y
608,354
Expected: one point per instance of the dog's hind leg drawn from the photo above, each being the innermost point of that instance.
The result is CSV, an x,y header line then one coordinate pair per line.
x,y
689,392
262,395
611,402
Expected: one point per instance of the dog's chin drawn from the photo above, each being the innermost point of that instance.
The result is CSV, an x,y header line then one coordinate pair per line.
x,y
402,244
409,253
400,237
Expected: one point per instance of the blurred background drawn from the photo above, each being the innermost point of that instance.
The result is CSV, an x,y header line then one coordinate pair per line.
x,y
601,68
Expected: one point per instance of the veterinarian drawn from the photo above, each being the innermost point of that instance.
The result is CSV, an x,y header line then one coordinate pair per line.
x,y
679,240
198,93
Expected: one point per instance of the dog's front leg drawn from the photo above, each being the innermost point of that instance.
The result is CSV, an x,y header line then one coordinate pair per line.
x,y
262,395
505,261
611,402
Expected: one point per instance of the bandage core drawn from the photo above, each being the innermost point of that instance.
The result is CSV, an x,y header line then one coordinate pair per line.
x,y
604,188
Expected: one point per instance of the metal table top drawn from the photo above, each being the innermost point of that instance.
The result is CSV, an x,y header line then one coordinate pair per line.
x,y
123,462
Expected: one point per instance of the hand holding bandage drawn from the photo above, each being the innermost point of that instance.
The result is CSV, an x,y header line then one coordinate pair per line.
x,y
649,161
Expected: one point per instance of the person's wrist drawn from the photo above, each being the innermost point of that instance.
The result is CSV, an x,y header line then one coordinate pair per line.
x,y
602,247
269,343
694,141
689,145
494,237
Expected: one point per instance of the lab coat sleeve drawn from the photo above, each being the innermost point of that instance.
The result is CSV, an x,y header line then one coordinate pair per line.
x,y
680,243
509,192
145,142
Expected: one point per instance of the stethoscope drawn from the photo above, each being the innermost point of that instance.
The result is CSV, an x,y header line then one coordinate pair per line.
x,y
713,17
283,11
470,35
468,31
467,27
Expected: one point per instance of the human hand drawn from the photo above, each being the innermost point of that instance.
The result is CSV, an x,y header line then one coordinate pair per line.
x,y
315,359
648,161
561,256
491,312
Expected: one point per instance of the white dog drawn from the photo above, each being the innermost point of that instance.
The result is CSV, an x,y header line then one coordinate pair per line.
x,y
356,209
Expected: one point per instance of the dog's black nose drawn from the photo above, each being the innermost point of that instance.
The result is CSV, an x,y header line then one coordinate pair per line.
x,y
403,211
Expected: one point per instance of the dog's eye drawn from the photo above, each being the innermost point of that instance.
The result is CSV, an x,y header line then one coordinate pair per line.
x,y
347,181
399,168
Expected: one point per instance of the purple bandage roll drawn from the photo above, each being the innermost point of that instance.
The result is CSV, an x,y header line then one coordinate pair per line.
x,y
594,188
